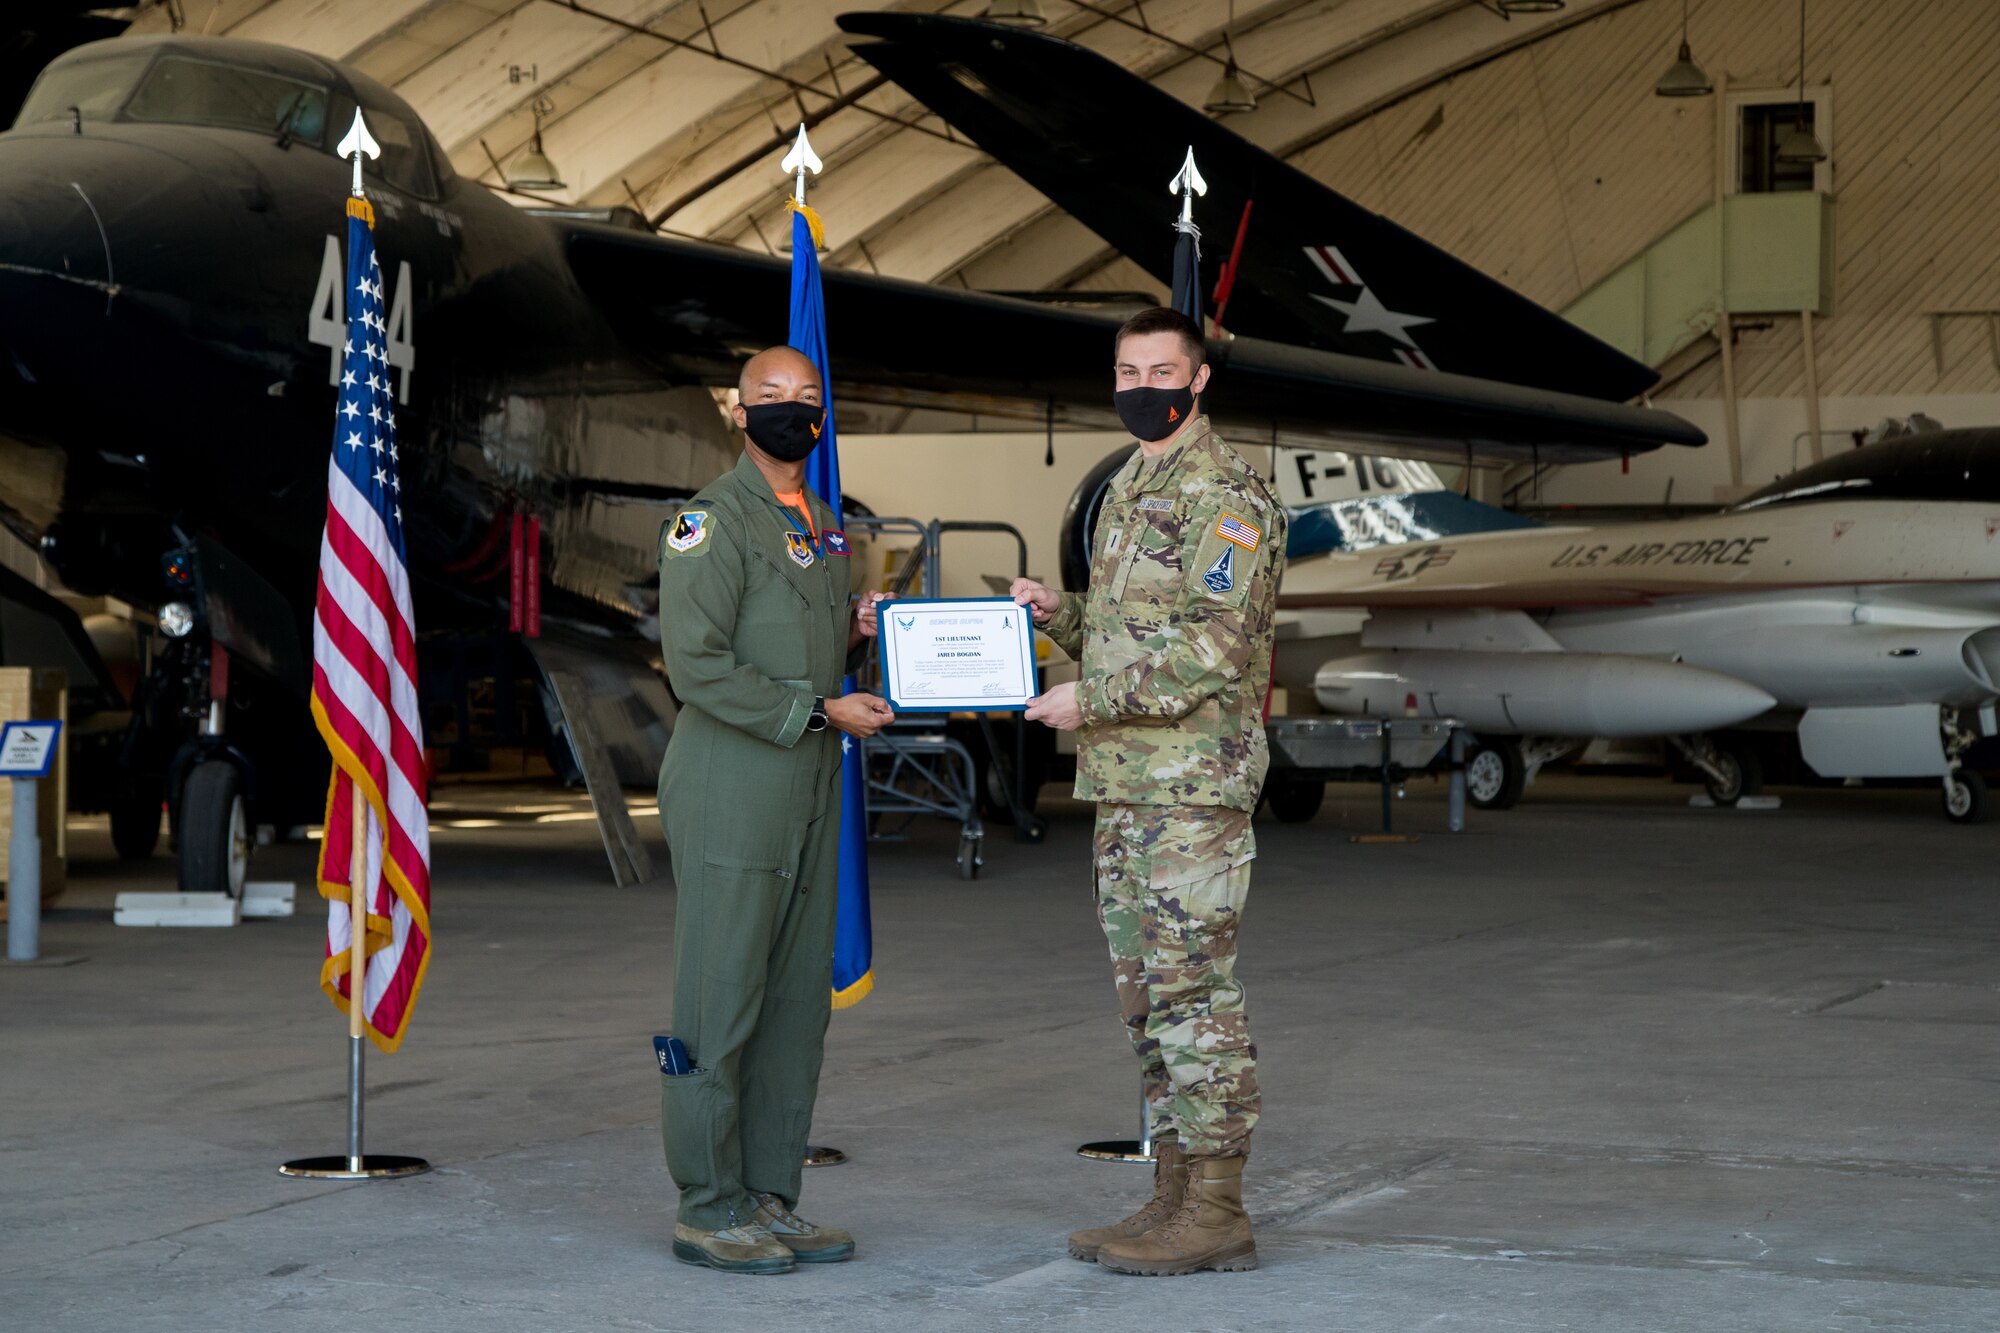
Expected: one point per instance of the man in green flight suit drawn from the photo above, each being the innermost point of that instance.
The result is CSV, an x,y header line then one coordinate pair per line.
x,y
1174,643
758,631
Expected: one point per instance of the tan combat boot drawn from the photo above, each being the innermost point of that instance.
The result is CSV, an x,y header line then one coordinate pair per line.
x,y
808,1243
1169,1184
744,1248
1209,1229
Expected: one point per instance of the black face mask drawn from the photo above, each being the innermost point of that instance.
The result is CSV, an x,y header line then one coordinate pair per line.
x,y
785,431
1154,414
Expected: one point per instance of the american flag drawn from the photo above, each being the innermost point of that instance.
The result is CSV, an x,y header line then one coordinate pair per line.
x,y
364,693
1236,530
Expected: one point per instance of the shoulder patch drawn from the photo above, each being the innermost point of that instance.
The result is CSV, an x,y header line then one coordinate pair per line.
x,y
690,529
1221,576
1245,535
835,542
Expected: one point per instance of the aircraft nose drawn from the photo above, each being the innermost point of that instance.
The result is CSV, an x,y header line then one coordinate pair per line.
x,y
58,271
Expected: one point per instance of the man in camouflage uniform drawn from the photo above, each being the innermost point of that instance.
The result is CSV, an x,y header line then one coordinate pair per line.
x,y
1174,641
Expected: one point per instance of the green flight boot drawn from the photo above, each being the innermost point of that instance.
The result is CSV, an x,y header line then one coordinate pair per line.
x,y
1209,1229
1170,1175
744,1248
808,1244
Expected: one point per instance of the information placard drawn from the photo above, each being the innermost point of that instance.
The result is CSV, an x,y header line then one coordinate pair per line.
x,y
28,749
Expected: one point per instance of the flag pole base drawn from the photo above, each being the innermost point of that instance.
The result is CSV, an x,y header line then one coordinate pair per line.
x,y
1117,1150
375,1166
817,1155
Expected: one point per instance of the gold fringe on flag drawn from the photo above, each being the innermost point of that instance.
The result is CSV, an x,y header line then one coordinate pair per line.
x,y
361,208
812,222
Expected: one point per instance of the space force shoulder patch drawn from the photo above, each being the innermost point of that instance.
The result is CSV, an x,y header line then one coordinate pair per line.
x,y
835,542
1220,577
688,530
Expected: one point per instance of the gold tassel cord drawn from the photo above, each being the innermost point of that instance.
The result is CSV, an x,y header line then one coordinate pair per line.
x,y
812,221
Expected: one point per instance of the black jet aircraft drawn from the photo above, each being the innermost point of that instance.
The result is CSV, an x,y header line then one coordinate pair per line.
x,y
170,308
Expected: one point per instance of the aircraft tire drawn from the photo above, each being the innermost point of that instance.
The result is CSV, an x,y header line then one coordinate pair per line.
x,y
1965,798
1495,775
1743,775
135,825
1295,800
214,826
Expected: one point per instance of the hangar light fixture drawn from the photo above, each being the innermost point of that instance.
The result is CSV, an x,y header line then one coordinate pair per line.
x,y
1684,78
1228,94
1531,6
532,170
1797,144
1020,13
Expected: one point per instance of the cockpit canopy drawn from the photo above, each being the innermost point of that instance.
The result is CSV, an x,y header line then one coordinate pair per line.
x,y
1962,465
249,86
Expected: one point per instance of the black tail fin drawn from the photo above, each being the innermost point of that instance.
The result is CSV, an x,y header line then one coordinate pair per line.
x,y
1317,269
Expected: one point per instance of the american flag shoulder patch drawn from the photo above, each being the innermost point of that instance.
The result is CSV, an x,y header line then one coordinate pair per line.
x,y
1234,529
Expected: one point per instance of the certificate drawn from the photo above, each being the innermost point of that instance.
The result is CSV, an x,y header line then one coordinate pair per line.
x,y
940,656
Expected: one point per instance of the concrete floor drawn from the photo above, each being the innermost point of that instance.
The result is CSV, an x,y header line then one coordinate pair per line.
x,y
1603,1063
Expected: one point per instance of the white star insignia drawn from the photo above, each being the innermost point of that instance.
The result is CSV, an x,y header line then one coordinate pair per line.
x,y
1366,314
846,744
354,439
396,483
381,477
376,444
369,349
346,379
348,409
375,412
399,513
374,383
347,347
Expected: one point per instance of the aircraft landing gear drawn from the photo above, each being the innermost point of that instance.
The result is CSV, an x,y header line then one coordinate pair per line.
x,y
1729,770
1495,774
214,830
1964,790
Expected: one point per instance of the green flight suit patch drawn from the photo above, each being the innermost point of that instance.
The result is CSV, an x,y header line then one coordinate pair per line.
x,y
687,532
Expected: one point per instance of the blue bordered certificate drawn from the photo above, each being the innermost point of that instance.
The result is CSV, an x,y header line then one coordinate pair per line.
x,y
975,654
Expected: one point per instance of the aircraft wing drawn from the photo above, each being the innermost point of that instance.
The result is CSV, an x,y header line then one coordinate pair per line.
x,y
1317,269
696,310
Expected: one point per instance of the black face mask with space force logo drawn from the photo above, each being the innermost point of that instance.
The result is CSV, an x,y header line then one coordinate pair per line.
x,y
785,431
1153,414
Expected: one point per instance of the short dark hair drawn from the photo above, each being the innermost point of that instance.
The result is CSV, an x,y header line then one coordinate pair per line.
x,y
1161,319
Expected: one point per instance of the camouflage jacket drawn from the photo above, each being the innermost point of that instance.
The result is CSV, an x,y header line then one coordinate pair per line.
x,y
1174,634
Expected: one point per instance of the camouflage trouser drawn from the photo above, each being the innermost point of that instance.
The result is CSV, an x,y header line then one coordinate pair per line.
x,y
1171,881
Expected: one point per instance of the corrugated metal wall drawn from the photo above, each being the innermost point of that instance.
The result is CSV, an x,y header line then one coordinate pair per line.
x,y
1551,166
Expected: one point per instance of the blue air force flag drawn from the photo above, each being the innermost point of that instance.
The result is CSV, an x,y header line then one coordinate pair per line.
x,y
853,935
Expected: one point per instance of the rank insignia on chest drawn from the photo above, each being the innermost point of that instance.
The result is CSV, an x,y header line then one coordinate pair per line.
x,y
690,529
835,542
1113,540
1221,576
1234,529
801,549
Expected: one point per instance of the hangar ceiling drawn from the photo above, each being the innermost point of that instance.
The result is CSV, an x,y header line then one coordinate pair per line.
x,y
682,108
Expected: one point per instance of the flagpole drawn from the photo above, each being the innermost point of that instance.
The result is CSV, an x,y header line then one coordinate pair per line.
x,y
796,164
357,975
356,1165
1186,184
